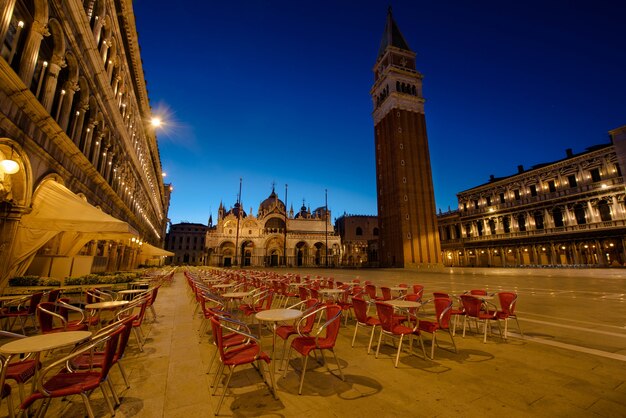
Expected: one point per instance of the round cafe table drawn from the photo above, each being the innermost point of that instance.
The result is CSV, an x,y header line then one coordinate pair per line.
x,y
275,316
109,304
131,293
232,296
38,343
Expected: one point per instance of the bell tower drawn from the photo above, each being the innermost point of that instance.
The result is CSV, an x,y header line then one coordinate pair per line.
x,y
407,219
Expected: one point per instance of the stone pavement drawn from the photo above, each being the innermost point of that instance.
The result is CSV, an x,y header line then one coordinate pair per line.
x,y
571,363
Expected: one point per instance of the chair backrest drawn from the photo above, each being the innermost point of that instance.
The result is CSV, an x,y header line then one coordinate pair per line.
x,y
35,298
53,295
441,295
124,336
443,311
478,292
314,293
332,324
413,297
309,321
385,315
153,295
46,316
386,293
471,305
418,289
360,309
303,293
508,300
371,291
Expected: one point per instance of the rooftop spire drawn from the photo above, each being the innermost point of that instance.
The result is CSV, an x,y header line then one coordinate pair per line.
x,y
392,36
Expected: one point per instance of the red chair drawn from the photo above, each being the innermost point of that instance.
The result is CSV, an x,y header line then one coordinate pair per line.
x,y
96,358
386,293
153,295
69,381
390,327
303,293
286,331
477,309
418,289
141,303
478,292
262,302
26,308
360,311
370,289
247,353
47,313
19,371
5,392
305,344
443,307
508,301
455,312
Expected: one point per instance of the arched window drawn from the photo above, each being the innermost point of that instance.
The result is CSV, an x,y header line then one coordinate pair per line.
x,y
538,220
605,211
521,222
557,216
375,232
359,231
506,224
492,226
579,213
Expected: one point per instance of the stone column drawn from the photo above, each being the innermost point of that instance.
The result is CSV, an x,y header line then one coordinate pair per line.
x,y
86,145
70,88
79,121
31,51
6,13
54,67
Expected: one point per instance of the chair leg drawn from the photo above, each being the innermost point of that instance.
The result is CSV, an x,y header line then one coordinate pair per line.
x,y
399,348
356,327
369,347
10,406
306,359
138,338
87,404
287,363
464,323
432,345
518,327
216,379
380,337
123,373
225,388
338,365
106,398
116,398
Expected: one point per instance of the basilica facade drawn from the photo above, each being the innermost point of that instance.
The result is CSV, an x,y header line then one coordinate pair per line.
x,y
274,237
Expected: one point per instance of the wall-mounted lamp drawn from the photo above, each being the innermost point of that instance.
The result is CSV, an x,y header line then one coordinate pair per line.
x,y
10,166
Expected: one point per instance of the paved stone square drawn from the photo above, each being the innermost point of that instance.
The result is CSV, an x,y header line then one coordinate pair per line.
x,y
571,363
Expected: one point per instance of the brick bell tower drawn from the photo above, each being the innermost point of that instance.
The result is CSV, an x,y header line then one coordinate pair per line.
x,y
407,219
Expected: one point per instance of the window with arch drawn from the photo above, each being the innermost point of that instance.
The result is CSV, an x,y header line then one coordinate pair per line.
x,y
579,213
375,232
604,210
538,220
359,231
521,222
557,217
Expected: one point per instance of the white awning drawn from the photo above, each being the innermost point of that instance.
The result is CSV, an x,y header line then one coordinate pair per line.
x,y
151,250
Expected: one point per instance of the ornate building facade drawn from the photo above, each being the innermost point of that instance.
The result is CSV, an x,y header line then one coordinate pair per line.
x,y
406,201
570,212
273,237
86,191
359,240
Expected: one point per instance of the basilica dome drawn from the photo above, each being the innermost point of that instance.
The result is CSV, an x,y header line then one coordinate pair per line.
x,y
271,203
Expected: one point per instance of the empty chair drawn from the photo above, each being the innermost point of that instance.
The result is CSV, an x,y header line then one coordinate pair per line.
x,y
19,371
508,302
305,344
418,289
474,309
362,319
48,314
68,381
247,353
386,293
26,308
153,295
443,307
286,331
478,292
370,289
390,327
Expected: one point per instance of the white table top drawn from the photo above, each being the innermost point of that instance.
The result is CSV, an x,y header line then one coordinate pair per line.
x,y
398,289
38,343
224,286
483,297
107,305
330,290
276,315
235,295
403,303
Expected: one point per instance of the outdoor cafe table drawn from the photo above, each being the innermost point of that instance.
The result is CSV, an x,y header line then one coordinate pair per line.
x,y
232,296
275,316
403,304
131,292
331,293
109,304
38,343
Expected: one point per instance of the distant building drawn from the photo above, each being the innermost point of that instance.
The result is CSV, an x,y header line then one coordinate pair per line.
x,y
406,201
187,242
242,239
568,212
359,240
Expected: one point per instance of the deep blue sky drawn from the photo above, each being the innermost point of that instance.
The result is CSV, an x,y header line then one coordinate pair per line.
x,y
279,91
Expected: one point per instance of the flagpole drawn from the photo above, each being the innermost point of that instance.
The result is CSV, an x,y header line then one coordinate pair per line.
x,y
326,223
285,239
238,217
